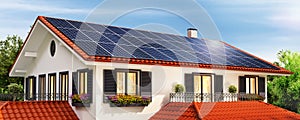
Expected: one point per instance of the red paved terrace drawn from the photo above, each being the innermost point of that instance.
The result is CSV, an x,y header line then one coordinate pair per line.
x,y
37,110
248,110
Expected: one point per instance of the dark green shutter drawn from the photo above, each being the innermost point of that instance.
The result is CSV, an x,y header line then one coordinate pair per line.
x,y
218,84
189,83
34,88
109,85
146,84
74,83
261,86
242,84
189,87
90,84
27,92
218,88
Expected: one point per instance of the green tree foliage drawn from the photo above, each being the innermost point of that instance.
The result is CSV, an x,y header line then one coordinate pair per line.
x,y
8,51
284,91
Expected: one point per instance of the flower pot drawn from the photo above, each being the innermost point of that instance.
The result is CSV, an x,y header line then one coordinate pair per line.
x,y
81,104
126,105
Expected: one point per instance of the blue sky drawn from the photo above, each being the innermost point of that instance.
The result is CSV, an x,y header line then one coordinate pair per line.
x,y
261,27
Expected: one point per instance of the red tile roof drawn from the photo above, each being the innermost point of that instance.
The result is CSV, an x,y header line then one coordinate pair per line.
x,y
41,110
223,111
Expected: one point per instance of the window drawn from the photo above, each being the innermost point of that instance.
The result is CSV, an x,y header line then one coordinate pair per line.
x,y
52,48
30,88
252,84
42,87
199,86
127,82
130,82
63,83
82,82
52,86
202,83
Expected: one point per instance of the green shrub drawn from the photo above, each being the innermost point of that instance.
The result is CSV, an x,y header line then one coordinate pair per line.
x,y
179,88
232,89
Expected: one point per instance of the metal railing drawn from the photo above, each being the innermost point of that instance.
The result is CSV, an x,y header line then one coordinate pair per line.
x,y
214,97
35,97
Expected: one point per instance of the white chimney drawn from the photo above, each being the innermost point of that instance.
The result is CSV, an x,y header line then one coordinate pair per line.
x,y
192,33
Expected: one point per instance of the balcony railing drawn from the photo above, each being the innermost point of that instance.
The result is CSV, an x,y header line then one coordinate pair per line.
x,y
216,97
35,97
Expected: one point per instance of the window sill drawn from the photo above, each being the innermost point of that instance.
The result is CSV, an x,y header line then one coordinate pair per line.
x,y
127,105
81,104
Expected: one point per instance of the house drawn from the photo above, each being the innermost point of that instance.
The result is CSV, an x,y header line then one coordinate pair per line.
x,y
64,57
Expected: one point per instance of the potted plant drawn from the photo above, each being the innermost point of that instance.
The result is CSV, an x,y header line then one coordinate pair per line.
x,y
128,100
80,100
178,88
232,89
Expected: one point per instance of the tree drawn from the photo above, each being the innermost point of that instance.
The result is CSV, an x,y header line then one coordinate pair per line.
x,y
15,90
9,49
284,91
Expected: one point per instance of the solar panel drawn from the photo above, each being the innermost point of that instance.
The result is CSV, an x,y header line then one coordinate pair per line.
x,y
102,40
74,34
91,48
60,23
99,28
136,33
169,53
138,53
157,55
113,37
120,52
117,30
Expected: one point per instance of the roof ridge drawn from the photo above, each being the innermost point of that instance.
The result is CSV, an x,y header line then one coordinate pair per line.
x,y
196,107
122,27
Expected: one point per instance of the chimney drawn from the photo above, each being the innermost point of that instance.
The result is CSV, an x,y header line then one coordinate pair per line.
x,y
192,33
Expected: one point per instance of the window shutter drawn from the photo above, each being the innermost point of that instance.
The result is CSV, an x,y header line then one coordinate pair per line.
x,y
74,83
27,93
261,86
34,88
109,85
189,83
146,84
242,84
90,84
218,84
218,88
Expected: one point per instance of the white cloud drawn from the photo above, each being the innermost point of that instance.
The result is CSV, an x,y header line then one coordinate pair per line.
x,y
23,6
287,18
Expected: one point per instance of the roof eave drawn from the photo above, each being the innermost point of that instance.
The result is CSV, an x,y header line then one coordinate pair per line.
x,y
20,51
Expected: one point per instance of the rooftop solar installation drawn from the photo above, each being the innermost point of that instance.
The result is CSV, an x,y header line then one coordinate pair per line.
x,y
112,41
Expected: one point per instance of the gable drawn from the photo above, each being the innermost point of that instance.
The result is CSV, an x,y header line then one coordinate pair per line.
x,y
35,55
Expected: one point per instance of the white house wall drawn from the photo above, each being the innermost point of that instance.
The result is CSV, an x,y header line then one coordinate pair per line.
x,y
163,80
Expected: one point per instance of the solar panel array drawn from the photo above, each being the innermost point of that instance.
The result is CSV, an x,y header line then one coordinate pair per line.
x,y
103,40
